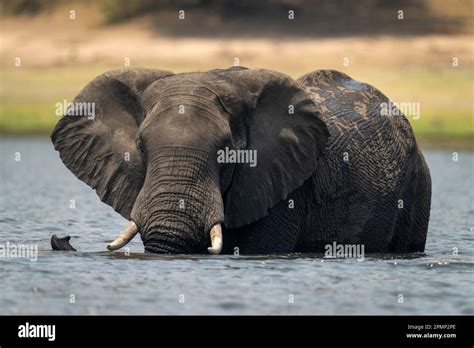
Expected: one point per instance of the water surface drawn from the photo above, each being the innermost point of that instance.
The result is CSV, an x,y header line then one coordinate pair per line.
x,y
39,197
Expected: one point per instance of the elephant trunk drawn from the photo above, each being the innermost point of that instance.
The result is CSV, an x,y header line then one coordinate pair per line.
x,y
179,208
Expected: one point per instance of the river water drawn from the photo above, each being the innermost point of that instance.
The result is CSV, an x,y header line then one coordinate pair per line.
x,y
39,197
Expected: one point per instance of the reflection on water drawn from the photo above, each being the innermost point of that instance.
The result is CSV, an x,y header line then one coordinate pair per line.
x,y
35,202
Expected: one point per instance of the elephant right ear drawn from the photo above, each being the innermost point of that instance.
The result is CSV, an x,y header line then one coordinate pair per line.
x,y
96,138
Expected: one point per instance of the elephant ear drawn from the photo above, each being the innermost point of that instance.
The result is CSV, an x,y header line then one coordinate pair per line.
x,y
96,138
284,128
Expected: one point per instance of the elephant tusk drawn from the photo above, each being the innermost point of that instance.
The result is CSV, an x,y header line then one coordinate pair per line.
x,y
126,236
216,240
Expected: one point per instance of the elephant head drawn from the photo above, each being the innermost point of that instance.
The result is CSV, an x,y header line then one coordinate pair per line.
x,y
152,150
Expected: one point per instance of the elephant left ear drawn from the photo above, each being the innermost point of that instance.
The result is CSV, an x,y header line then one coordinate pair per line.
x,y
100,149
286,136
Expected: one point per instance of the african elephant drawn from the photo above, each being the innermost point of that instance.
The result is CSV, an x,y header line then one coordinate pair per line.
x,y
328,166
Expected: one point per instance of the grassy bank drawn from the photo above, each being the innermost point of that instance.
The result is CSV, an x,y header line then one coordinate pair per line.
x,y
59,56
29,97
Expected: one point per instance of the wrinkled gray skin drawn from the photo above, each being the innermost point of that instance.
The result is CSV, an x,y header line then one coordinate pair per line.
x,y
330,168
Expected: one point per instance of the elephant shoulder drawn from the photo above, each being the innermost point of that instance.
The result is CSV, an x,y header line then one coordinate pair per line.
x,y
357,109
339,94
335,81
364,138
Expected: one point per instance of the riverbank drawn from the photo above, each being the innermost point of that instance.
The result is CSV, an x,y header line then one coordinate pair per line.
x,y
30,96
59,56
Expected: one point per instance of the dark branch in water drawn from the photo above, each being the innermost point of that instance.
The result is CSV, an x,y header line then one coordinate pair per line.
x,y
61,243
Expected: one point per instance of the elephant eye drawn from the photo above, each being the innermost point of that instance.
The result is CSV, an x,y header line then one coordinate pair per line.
x,y
140,146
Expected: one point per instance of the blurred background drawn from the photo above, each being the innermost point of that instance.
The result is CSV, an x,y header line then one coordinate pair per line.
x,y
414,51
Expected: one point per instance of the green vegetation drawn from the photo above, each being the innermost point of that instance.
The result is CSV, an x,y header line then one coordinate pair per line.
x,y
446,99
29,97
410,60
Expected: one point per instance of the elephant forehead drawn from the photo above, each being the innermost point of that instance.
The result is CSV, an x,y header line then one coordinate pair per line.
x,y
180,95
